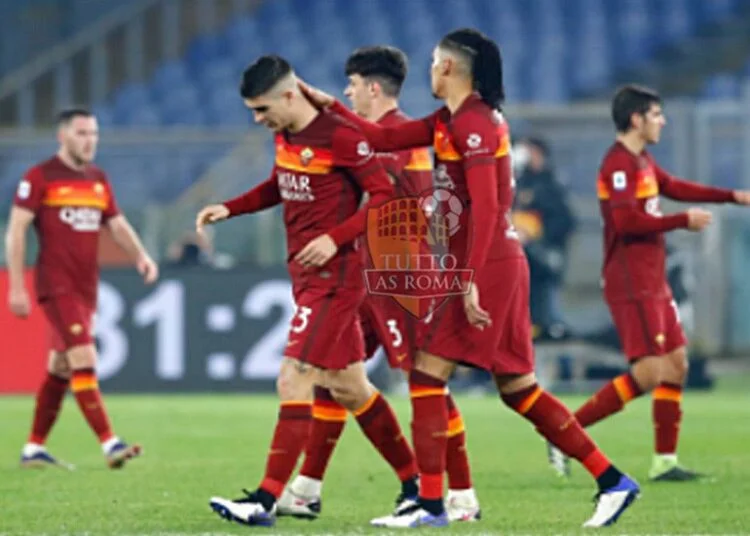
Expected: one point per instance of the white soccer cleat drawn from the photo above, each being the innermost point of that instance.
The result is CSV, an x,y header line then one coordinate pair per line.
x,y
462,505
295,505
246,511
410,519
612,502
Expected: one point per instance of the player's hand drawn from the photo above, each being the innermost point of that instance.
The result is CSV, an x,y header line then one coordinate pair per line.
x,y
319,98
478,317
742,197
210,214
19,302
147,268
698,219
317,252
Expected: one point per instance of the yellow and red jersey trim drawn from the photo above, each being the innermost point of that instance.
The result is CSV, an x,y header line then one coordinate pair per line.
x,y
305,159
76,193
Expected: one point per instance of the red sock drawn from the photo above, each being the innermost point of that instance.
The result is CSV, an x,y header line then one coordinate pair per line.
x,y
608,400
329,418
49,400
457,459
289,438
85,388
379,424
429,431
556,423
667,414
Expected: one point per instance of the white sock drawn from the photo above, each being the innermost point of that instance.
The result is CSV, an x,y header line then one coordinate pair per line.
x,y
671,458
306,486
464,495
29,449
109,444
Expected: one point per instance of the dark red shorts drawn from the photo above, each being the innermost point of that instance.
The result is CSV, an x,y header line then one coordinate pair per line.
x,y
647,327
71,319
505,347
325,331
385,323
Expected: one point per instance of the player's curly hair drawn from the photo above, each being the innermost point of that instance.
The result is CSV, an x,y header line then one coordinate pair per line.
x,y
483,55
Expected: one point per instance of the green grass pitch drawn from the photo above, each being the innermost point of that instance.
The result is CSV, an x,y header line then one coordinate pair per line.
x,y
198,446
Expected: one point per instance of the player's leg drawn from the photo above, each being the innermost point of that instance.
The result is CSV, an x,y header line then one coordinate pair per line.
x,y
302,498
294,386
49,400
85,387
667,414
461,503
427,389
351,388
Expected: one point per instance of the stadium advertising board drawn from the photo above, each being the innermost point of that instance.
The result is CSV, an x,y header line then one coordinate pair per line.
x,y
194,330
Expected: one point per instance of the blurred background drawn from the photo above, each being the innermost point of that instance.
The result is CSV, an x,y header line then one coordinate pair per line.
x,y
162,77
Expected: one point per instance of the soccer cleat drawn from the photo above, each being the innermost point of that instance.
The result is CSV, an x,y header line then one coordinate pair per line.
x,y
295,505
246,511
42,459
612,502
411,518
666,469
404,503
462,505
558,460
120,453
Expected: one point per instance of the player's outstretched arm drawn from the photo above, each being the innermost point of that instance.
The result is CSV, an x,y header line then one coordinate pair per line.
x,y
408,135
15,253
126,237
682,190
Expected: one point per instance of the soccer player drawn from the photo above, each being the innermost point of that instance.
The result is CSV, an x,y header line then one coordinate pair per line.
x,y
376,75
67,198
634,278
323,164
471,141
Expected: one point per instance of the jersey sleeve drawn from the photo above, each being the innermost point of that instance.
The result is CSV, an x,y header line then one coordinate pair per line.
x,y
406,135
263,196
112,209
30,191
394,162
352,152
682,190
476,139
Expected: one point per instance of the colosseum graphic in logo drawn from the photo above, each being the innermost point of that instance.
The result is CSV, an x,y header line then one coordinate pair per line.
x,y
417,247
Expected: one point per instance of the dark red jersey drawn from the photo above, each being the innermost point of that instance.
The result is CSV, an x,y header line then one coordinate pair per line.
x,y
69,207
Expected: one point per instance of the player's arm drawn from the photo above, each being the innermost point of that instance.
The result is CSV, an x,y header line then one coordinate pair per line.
x,y
125,236
411,134
27,201
15,254
477,140
351,152
264,195
407,135
682,190
627,216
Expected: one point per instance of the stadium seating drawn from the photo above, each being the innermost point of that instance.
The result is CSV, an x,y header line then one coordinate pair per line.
x,y
553,52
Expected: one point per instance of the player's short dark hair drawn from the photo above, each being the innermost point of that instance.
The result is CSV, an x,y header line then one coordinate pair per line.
x,y
65,116
629,100
261,75
385,64
483,54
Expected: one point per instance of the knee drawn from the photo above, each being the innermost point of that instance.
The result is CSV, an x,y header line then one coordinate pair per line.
x,y
58,366
82,357
678,363
295,381
350,394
